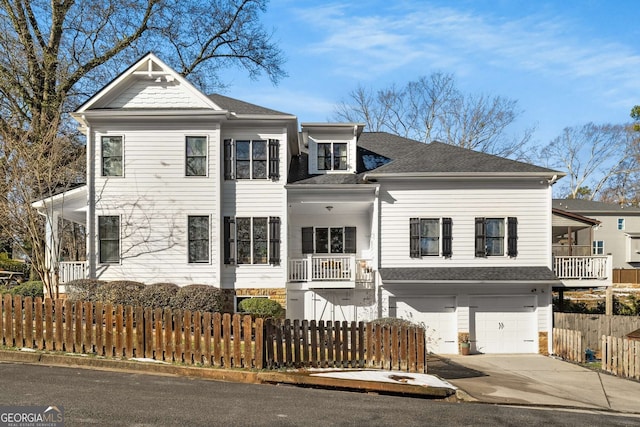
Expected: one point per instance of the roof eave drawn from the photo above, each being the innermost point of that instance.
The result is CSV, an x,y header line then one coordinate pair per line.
x,y
550,176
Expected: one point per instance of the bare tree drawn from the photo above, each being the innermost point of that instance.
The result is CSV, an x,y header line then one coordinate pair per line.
x,y
56,53
432,108
33,167
594,157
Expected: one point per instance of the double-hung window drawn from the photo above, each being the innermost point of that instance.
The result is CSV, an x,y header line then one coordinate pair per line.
x,y
329,240
430,237
620,223
598,247
198,234
490,236
196,156
252,240
251,159
109,239
332,156
112,155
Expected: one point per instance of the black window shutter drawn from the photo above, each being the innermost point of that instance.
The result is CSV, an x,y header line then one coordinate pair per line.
x,y
447,231
274,159
274,240
512,242
481,244
307,240
349,240
228,159
229,240
414,237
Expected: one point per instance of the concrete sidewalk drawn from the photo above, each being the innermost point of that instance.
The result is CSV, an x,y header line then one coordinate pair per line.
x,y
537,380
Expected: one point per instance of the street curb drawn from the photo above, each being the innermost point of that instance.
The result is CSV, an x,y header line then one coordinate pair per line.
x,y
220,374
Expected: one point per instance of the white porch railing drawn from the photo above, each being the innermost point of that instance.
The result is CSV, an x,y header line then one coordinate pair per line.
x,y
583,267
330,268
72,270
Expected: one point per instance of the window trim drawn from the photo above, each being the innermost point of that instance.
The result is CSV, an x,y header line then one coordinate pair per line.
x,y
208,260
445,237
509,237
187,157
273,240
597,247
349,240
100,240
332,156
272,160
102,156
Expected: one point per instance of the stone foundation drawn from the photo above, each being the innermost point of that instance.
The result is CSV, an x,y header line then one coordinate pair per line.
x,y
543,343
276,294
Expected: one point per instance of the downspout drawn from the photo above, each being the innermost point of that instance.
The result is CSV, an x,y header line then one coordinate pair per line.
x,y
91,204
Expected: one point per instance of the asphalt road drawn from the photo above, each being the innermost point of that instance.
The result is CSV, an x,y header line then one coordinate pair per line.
x,y
105,398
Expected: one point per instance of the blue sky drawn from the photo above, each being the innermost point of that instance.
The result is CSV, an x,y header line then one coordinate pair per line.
x,y
566,62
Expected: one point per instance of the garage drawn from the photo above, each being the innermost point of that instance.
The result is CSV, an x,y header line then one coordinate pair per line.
x,y
503,324
437,313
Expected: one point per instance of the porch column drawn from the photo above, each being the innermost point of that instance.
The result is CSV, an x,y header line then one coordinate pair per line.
x,y
609,301
52,240
570,235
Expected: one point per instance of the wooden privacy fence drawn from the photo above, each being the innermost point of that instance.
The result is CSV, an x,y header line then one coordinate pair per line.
x,y
594,326
568,345
621,357
214,339
626,275
343,345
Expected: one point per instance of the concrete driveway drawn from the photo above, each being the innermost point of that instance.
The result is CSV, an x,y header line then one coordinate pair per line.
x,y
537,380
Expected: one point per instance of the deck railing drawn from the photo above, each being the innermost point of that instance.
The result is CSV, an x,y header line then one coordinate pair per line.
x,y
330,268
582,267
72,270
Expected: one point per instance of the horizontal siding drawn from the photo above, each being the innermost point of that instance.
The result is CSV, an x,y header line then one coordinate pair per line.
x,y
154,199
463,202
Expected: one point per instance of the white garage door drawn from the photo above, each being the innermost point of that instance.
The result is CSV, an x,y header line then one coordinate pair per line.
x,y
438,314
504,324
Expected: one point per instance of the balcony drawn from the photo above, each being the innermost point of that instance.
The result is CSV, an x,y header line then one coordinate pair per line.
x,y
332,272
584,271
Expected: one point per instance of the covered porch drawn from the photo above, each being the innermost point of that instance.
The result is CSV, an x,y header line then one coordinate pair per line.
x,y
70,206
332,236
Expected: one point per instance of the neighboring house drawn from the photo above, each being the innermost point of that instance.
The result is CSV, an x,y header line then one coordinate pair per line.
x,y
616,233
334,222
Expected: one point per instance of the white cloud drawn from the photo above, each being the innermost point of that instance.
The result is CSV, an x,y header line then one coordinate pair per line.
x,y
370,44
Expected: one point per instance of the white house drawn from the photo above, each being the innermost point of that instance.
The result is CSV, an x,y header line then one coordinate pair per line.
x,y
334,222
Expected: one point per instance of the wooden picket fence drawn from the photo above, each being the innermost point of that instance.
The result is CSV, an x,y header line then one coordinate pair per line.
x,y
213,339
621,357
567,344
344,345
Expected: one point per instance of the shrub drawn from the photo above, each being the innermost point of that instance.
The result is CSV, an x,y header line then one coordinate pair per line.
x,y
393,321
28,289
261,307
199,298
125,292
158,295
83,290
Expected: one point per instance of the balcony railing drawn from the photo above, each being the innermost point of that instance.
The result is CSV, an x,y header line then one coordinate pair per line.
x,y
72,270
316,268
583,267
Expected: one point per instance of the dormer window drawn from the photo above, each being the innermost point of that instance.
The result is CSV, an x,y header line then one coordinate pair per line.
x,y
332,156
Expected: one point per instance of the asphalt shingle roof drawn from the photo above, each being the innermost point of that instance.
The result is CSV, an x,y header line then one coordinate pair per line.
x,y
590,206
241,107
403,155
454,274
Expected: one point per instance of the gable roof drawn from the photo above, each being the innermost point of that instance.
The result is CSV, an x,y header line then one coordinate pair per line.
x,y
593,207
151,69
398,157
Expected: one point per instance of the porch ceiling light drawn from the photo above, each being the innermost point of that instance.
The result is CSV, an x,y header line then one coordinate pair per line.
x,y
329,208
